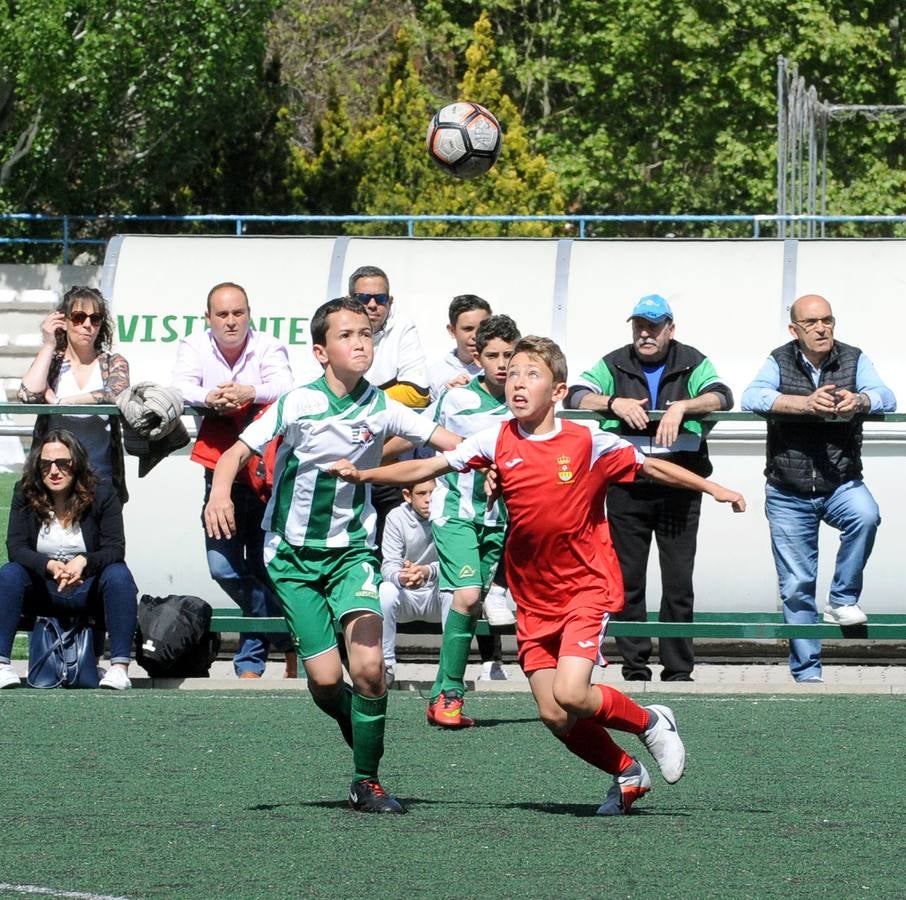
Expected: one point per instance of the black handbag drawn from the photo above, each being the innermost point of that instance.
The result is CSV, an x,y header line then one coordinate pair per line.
x,y
61,655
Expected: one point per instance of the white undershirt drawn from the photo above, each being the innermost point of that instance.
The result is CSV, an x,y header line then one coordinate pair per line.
x,y
59,542
92,431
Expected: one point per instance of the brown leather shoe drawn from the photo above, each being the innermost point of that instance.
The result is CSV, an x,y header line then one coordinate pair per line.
x,y
292,665
249,675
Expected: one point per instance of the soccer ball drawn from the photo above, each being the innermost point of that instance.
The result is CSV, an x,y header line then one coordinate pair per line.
x,y
464,139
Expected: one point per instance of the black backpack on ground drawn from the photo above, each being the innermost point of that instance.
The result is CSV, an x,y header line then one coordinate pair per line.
x,y
173,639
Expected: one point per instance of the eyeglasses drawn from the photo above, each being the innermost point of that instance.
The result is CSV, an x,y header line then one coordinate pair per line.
x,y
812,324
78,317
364,299
63,464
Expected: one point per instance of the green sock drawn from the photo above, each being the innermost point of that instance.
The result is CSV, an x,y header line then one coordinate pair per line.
x,y
339,708
439,678
458,634
369,715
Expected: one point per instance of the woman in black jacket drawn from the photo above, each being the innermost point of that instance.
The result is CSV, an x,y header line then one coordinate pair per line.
x,y
66,548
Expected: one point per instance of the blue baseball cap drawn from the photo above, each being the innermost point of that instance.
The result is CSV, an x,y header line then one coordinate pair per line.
x,y
653,307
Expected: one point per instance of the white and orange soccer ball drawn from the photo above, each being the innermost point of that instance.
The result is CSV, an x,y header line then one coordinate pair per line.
x,y
464,139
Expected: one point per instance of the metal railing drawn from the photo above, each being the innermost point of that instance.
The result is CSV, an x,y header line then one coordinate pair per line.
x,y
578,224
894,434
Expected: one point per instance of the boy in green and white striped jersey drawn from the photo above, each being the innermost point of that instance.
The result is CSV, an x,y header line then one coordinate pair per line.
x,y
319,546
468,532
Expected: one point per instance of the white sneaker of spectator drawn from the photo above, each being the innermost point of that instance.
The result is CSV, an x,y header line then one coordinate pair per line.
x,y
116,679
496,609
492,671
9,677
844,615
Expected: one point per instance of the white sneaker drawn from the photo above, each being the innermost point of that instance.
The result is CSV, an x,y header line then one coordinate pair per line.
x,y
492,671
8,677
844,615
116,679
663,742
496,609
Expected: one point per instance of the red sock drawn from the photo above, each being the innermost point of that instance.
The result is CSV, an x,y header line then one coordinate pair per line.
x,y
618,711
589,741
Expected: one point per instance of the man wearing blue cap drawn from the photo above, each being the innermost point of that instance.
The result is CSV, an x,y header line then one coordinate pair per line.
x,y
655,372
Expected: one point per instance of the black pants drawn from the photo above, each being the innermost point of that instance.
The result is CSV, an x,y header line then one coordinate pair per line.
x,y
635,512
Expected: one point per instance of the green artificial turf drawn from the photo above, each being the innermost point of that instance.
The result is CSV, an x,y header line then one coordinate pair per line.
x,y
242,794
7,481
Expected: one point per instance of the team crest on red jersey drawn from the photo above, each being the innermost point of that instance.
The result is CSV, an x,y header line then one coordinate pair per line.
x,y
564,471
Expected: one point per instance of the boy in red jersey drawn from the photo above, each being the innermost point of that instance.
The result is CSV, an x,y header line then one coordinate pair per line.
x,y
562,569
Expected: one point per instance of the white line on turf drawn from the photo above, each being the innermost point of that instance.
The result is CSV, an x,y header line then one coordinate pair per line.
x,y
55,892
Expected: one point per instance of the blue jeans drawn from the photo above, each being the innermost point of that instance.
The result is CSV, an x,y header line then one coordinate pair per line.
x,y
237,565
794,520
112,590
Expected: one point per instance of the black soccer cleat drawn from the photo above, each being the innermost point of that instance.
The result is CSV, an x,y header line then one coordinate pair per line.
x,y
367,795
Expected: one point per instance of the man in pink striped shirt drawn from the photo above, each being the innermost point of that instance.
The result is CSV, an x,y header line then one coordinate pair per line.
x,y
236,372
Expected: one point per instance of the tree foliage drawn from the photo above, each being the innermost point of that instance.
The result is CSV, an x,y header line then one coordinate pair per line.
x,y
394,175
139,105
320,106
660,106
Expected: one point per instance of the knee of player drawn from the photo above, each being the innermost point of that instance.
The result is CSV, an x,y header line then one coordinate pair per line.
x,y
556,721
572,697
367,674
467,600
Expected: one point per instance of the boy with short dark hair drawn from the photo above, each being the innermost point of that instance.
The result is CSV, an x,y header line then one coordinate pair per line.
x,y
319,546
563,572
459,366
468,530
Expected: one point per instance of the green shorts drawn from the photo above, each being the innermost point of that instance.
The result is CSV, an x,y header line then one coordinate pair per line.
x,y
317,588
468,553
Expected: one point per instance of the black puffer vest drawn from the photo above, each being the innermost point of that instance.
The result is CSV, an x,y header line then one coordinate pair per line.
x,y
814,457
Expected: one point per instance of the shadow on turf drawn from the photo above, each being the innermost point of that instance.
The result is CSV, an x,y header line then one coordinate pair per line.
x,y
577,810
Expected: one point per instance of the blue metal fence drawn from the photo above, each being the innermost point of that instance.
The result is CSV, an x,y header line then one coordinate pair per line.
x,y
579,224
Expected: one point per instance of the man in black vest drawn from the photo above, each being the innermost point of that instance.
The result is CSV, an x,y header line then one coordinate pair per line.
x,y
814,468
655,372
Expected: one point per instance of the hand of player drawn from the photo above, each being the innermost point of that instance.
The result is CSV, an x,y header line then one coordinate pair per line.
x,y
491,483
668,428
413,576
734,498
631,411
219,517
345,470
458,381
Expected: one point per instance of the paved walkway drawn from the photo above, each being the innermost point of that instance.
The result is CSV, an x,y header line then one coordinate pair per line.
x,y
761,678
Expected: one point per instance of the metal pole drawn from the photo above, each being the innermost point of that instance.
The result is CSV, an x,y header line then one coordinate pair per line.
x,y
65,240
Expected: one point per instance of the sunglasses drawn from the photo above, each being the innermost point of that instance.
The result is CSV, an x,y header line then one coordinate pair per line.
x,y
78,317
364,299
63,464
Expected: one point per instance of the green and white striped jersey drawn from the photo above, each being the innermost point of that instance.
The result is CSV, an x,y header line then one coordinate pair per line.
x,y
465,411
308,507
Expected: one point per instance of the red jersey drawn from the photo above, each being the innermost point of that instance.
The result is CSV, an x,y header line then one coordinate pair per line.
x,y
558,548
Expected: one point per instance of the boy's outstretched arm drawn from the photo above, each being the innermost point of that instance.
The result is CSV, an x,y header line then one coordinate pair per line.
x,y
400,473
219,520
676,476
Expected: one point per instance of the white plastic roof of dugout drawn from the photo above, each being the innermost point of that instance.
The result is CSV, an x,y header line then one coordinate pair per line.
x,y
731,299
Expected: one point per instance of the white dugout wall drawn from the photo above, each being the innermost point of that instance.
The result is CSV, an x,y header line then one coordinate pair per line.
x,y
730,298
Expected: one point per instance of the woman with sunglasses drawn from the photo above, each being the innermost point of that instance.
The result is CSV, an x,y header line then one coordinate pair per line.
x,y
74,365
66,549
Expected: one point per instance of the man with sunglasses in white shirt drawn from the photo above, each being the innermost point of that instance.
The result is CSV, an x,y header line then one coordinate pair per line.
x,y
814,469
399,366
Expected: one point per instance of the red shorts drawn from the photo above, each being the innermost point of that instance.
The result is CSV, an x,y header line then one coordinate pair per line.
x,y
577,632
